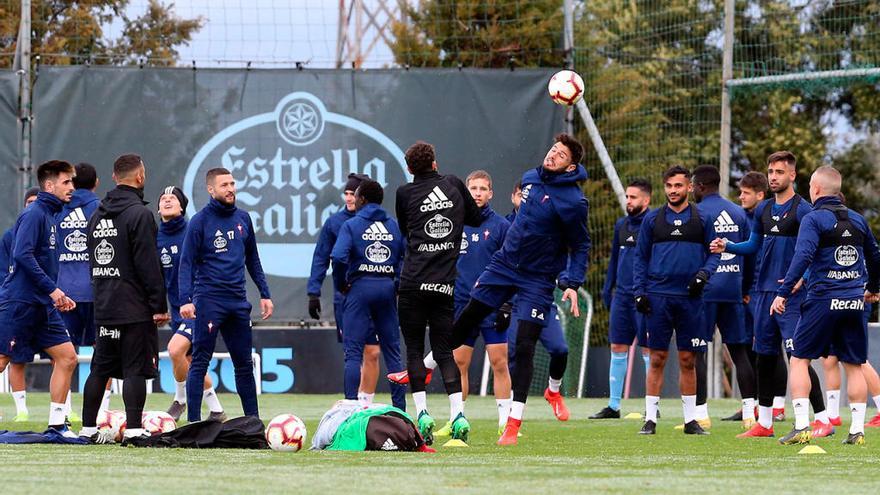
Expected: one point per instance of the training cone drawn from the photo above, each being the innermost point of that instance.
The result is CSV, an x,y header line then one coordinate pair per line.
x,y
812,449
455,443
633,415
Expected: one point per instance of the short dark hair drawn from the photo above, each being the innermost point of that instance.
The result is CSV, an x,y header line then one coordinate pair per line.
x,y
33,191
676,170
755,181
573,145
371,191
126,164
517,187
214,172
782,156
707,175
641,184
52,169
86,176
420,157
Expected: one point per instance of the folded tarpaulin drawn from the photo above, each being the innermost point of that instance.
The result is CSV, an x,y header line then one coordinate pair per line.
x,y
239,433
51,435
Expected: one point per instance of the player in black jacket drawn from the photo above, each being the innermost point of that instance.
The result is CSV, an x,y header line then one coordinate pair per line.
x,y
129,293
432,212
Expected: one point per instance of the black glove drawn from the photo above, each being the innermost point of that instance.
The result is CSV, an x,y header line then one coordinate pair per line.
x,y
698,283
643,305
314,306
502,318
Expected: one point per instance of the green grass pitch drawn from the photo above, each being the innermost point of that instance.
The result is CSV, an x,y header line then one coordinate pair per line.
x,y
579,456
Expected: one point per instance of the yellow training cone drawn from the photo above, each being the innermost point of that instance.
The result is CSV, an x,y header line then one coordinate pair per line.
x,y
812,449
455,443
633,415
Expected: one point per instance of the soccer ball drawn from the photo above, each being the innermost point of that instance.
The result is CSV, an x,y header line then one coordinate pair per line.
x,y
114,421
157,422
286,433
566,87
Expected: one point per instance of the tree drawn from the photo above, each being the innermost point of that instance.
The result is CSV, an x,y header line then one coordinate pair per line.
x,y
72,32
477,33
653,74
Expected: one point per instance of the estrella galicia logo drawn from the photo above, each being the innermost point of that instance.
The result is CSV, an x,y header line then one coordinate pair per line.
x,y
846,255
377,252
290,166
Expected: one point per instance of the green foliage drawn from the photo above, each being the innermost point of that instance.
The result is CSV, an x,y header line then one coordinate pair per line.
x,y
653,74
480,33
72,32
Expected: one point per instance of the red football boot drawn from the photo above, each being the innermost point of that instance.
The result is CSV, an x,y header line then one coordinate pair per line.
x,y
836,421
875,422
511,432
757,431
778,414
557,403
402,377
821,429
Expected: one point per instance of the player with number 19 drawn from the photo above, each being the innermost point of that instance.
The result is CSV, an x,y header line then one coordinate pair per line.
x,y
671,268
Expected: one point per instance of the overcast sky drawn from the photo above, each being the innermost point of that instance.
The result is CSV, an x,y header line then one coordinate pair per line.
x,y
266,32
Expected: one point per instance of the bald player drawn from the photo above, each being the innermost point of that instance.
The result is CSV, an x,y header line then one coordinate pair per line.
x,y
832,242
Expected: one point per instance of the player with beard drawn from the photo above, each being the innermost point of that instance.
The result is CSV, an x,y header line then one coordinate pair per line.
x,y
219,245
549,235
432,211
625,323
672,266
773,237
839,249
169,243
30,300
129,295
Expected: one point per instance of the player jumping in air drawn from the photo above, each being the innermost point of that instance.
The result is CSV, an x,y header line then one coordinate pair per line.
x,y
672,266
218,247
169,243
837,246
549,235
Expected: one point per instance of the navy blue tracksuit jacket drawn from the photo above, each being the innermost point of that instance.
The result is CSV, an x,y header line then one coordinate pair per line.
x,y
219,245
74,276
321,260
369,252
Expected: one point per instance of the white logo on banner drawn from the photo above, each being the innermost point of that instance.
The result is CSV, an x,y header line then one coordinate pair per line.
x,y
290,166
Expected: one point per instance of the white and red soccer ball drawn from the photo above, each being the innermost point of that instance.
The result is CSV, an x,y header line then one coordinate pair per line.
x,y
286,433
157,422
566,87
114,421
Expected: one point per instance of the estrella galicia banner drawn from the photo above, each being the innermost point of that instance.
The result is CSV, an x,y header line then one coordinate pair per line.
x,y
292,137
